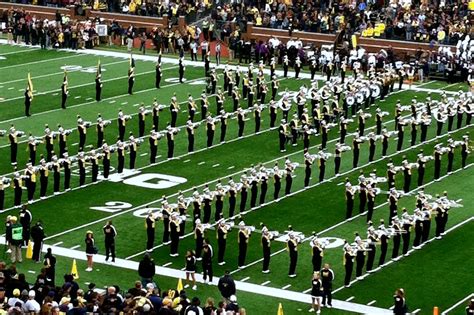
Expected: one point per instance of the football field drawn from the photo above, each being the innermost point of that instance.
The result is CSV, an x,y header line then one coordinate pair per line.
x,y
439,274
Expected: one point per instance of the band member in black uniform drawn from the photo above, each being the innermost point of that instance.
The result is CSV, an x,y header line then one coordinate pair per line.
x,y
153,140
208,197
94,160
66,165
451,115
371,194
288,180
418,217
174,234
158,74
425,123
243,193
174,109
383,236
132,150
222,230
275,85
219,194
28,100
421,167
32,148
413,131
393,203
131,75
323,157
170,133
62,135
210,129
121,121
400,133
30,180
426,214
44,174
166,217
277,181
292,247
190,131
257,113
253,191
18,189
308,162
110,233
56,174
385,139
48,140
396,226
100,128
360,256
349,255
438,153
243,239
283,134
464,150
223,120
4,183
98,84
213,81
317,253
285,66
251,94
371,241
142,113
356,142
241,121
64,92
406,175
150,230
155,114
207,254
81,162
350,195
451,146
219,101
199,237
266,245
407,225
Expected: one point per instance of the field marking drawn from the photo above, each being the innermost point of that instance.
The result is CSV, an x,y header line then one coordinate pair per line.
x,y
412,250
286,287
57,244
371,302
457,304
144,154
41,61
216,165
416,311
62,72
186,161
76,97
31,271
245,279
75,246
201,163
167,264
19,51
265,283
349,298
243,286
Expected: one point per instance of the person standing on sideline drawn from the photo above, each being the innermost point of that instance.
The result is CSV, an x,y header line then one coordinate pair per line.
x,y
50,265
110,233
226,285
190,269
218,52
37,234
207,254
25,221
327,276
146,269
316,293
16,240
91,250
400,303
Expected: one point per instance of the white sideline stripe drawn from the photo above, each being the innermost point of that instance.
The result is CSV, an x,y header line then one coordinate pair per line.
x,y
371,302
243,286
286,287
266,282
350,298
245,279
409,252
457,304
75,246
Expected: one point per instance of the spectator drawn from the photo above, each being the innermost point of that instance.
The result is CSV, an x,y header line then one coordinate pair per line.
x,y
226,285
31,306
146,269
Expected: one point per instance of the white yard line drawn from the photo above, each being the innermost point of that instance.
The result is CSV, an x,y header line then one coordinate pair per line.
x,y
245,279
22,51
265,283
371,302
286,287
350,298
74,55
457,304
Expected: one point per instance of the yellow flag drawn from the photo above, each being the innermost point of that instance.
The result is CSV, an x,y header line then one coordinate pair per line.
x,y
30,86
29,251
74,272
179,288
280,309
354,41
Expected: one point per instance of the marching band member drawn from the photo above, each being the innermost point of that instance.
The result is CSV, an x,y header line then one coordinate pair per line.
x,y
81,163
181,70
397,231
100,129
131,75
223,121
350,194
254,180
232,192
360,256
170,133
407,221
150,230
174,109
219,100
121,120
348,261
132,149
207,198
283,134
165,217
17,188
323,157
288,180
372,143
277,176
441,118
372,239
317,252
4,183
438,153
308,161
383,236
153,140
56,173
400,126
199,237
182,210
464,150
426,224
356,142
451,114
197,201
142,113
174,233
257,113
298,67
285,65
266,241
413,131
204,105
371,194
30,180
243,239
120,147
450,148
48,140
241,121
418,218
158,72
393,203
32,148
222,230
406,174
243,192
292,247
210,129
64,91
155,113
62,135
219,194
235,98
98,84
425,123
275,86
263,185
94,160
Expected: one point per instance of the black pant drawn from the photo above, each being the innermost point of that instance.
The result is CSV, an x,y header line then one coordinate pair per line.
x,y
277,190
406,241
266,258
242,253
109,249
360,261
370,258
349,266
293,261
207,271
327,295
396,245
37,249
174,243
221,243
383,252
150,238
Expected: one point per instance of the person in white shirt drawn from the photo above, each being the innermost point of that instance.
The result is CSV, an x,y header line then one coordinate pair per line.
x,y
31,306
15,299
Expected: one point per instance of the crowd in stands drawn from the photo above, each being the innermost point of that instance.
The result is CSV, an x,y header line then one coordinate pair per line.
x,y
47,295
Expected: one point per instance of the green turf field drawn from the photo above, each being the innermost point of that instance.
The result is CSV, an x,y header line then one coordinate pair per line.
x,y
319,208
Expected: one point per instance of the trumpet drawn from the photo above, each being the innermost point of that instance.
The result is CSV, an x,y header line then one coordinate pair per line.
x,y
20,133
105,123
87,124
6,181
66,132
